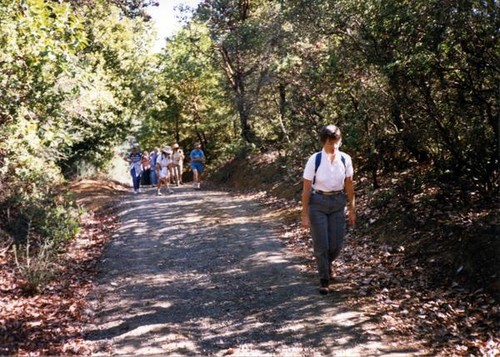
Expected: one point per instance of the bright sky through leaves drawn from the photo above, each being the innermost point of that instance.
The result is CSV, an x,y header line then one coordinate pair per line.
x,y
166,19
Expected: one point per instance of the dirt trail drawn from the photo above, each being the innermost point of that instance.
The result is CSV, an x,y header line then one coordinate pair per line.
x,y
204,273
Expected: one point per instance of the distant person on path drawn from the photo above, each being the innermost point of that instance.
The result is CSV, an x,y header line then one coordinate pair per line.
x,y
178,158
163,165
327,187
152,158
197,157
134,158
146,169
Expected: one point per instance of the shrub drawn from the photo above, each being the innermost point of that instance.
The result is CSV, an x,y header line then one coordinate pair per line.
x,y
36,265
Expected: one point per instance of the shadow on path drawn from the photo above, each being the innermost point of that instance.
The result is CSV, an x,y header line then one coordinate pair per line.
x,y
198,272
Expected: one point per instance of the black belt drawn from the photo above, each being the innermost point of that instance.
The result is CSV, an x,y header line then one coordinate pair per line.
x,y
330,193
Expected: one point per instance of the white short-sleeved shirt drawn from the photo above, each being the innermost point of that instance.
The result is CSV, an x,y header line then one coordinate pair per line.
x,y
178,156
163,161
330,175
135,162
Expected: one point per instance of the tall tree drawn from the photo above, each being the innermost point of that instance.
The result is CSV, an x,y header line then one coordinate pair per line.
x,y
242,36
440,61
71,79
190,101
113,80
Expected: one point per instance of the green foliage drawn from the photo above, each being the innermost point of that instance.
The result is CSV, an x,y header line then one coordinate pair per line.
x,y
134,8
112,85
405,80
37,42
243,35
28,180
410,83
73,79
440,83
189,104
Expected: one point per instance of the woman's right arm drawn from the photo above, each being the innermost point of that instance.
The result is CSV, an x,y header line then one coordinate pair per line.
x,y
306,195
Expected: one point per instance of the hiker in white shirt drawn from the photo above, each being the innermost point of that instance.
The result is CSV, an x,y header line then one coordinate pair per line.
x,y
163,165
328,187
178,159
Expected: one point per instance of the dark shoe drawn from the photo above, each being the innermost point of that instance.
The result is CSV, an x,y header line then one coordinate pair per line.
x,y
323,287
323,290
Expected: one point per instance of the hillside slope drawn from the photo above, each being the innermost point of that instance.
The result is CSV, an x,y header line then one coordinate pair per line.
x,y
427,263
405,208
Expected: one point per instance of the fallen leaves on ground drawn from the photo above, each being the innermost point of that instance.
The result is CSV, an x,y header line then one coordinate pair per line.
x,y
51,322
410,295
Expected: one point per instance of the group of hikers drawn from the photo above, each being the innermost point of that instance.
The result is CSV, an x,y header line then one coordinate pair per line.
x,y
327,193
164,167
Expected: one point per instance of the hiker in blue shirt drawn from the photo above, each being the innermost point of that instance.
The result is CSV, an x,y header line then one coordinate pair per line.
x,y
328,187
134,158
197,159
153,157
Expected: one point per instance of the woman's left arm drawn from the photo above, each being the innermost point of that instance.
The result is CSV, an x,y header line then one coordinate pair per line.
x,y
351,201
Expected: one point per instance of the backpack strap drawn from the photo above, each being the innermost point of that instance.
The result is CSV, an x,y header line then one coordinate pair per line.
x,y
317,162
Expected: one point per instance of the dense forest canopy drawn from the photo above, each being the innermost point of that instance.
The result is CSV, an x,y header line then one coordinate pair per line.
x,y
412,84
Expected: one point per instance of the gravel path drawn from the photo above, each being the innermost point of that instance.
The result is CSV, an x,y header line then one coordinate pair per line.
x,y
204,273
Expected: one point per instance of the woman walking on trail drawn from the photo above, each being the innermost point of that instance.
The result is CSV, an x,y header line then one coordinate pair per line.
x,y
135,158
146,169
328,186
163,166
197,159
178,158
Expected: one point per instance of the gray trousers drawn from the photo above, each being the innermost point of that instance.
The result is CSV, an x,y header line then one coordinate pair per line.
x,y
327,217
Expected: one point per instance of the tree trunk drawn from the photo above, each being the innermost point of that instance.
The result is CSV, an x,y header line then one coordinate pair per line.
x,y
282,108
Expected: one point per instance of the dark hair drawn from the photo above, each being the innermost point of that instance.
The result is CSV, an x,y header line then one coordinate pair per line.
x,y
329,131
